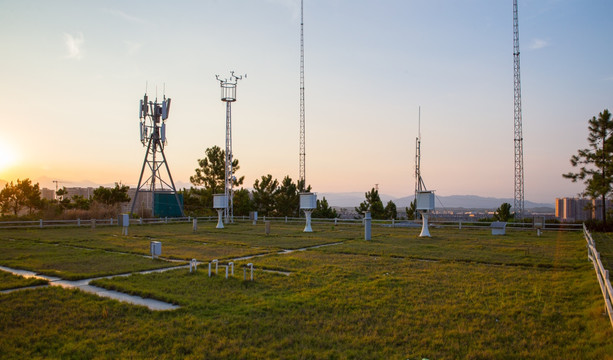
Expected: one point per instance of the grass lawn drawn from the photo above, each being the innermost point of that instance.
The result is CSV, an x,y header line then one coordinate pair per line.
x,y
71,263
461,294
10,281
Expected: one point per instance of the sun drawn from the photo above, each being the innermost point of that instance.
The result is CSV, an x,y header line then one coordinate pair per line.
x,y
7,156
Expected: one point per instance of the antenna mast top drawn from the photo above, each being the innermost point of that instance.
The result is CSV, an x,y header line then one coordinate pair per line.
x,y
419,182
302,175
228,86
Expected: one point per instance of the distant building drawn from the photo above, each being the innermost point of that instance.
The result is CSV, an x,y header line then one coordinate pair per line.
x,y
47,194
87,193
579,209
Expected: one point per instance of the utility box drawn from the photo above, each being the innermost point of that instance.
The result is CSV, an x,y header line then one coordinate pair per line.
x,y
123,220
425,200
308,201
220,201
498,228
539,222
156,249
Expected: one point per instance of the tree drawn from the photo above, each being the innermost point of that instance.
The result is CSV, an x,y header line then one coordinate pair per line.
x,y
596,162
31,194
411,210
111,196
373,204
211,172
15,197
287,200
324,210
264,193
503,213
80,202
391,212
63,200
242,202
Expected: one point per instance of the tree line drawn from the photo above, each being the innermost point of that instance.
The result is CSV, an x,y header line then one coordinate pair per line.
x,y
25,197
269,197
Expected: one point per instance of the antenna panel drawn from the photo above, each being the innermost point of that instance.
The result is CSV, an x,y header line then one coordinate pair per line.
x,y
165,109
163,132
142,132
145,108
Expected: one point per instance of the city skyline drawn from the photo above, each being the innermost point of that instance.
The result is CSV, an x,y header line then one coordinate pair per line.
x,y
73,74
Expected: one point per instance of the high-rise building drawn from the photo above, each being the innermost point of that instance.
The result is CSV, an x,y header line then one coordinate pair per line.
x,y
579,209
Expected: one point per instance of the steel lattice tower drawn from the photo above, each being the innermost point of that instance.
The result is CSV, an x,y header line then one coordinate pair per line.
x,y
228,95
519,140
302,176
153,117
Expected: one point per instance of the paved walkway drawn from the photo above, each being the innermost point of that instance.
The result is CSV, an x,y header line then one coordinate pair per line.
x,y
83,285
152,304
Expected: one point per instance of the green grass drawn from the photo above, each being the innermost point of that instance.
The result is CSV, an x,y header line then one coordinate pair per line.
x,y
71,263
604,245
461,294
10,281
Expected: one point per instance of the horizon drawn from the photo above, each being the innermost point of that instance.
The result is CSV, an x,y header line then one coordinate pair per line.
x,y
73,75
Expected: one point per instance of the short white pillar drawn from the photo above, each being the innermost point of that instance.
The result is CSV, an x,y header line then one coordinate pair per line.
x,y
232,267
220,218
307,228
195,225
425,232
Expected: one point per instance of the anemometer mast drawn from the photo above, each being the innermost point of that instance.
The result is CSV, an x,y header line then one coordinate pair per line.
x,y
419,182
153,117
424,199
519,140
228,95
302,176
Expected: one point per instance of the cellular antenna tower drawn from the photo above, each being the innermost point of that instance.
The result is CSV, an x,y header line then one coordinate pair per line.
x,y
153,117
519,140
228,95
302,176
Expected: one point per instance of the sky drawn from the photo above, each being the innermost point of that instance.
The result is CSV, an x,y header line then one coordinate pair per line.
x,y
72,74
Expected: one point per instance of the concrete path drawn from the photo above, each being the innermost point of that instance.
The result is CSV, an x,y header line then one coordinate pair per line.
x,y
152,304
83,285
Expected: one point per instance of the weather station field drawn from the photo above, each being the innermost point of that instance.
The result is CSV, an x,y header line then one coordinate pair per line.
x,y
326,294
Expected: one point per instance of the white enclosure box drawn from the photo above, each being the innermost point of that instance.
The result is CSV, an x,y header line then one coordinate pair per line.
x,y
124,220
539,222
156,248
498,228
425,200
308,201
220,201
253,215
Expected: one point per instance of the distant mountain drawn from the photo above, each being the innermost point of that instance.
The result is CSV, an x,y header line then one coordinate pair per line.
x,y
352,199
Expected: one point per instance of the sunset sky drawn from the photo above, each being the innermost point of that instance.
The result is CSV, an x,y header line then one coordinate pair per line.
x,y
72,74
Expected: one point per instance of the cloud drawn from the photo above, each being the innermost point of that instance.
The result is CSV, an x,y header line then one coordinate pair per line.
x,y
538,44
73,45
125,16
132,47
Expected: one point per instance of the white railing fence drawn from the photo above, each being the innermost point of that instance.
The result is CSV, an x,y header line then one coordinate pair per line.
x,y
434,223
601,273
